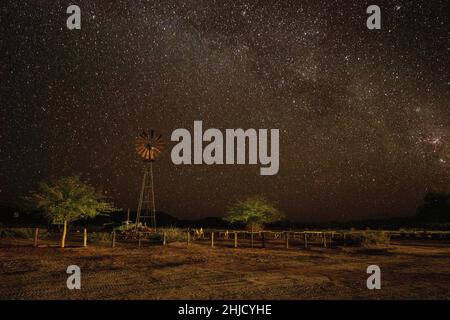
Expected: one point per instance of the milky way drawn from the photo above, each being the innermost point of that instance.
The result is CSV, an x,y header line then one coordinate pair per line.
x,y
364,115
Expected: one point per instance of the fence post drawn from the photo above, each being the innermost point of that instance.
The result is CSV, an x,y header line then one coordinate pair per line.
x,y
212,239
139,239
36,235
263,240
287,240
188,237
251,238
164,239
324,236
113,241
306,240
85,237
235,240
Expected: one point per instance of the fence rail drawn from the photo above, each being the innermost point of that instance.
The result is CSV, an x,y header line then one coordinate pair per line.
x,y
240,238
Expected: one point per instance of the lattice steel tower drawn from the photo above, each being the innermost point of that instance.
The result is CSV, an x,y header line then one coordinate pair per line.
x,y
148,146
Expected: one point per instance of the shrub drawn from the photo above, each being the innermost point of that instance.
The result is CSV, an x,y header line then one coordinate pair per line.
x,y
7,233
255,227
173,234
369,238
23,233
99,236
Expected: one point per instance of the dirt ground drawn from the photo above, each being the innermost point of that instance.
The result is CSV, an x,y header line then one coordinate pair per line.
x,y
408,271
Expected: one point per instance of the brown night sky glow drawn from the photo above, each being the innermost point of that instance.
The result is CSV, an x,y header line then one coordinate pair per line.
x,y
364,115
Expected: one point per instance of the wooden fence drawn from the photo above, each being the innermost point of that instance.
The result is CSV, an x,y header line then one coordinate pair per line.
x,y
241,238
326,238
263,238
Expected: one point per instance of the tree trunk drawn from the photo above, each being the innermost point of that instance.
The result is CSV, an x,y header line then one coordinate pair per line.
x,y
63,238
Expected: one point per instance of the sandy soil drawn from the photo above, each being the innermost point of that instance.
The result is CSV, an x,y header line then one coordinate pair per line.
x,y
176,271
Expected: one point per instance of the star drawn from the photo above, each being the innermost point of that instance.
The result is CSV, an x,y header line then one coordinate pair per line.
x,y
360,113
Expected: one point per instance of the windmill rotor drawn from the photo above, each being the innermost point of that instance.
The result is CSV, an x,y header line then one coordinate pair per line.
x,y
149,145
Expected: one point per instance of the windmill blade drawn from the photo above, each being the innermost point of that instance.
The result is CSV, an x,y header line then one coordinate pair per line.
x,y
149,145
143,135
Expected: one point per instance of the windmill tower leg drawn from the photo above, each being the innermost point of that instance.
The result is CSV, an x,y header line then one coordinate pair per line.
x,y
146,207
141,199
153,214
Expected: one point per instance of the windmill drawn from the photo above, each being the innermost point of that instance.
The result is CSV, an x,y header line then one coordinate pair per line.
x,y
148,146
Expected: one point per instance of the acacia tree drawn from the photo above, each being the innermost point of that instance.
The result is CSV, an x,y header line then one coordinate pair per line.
x,y
69,199
254,212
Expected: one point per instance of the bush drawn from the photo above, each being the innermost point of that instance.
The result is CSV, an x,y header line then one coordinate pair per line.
x,y
23,233
369,238
173,234
255,227
99,236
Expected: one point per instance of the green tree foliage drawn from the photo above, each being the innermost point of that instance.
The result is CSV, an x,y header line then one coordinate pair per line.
x,y
70,199
253,212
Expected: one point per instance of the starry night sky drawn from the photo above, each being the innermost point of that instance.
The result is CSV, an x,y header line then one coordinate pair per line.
x,y
364,115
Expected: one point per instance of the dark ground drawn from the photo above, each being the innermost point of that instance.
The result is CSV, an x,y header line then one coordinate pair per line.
x,y
410,270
